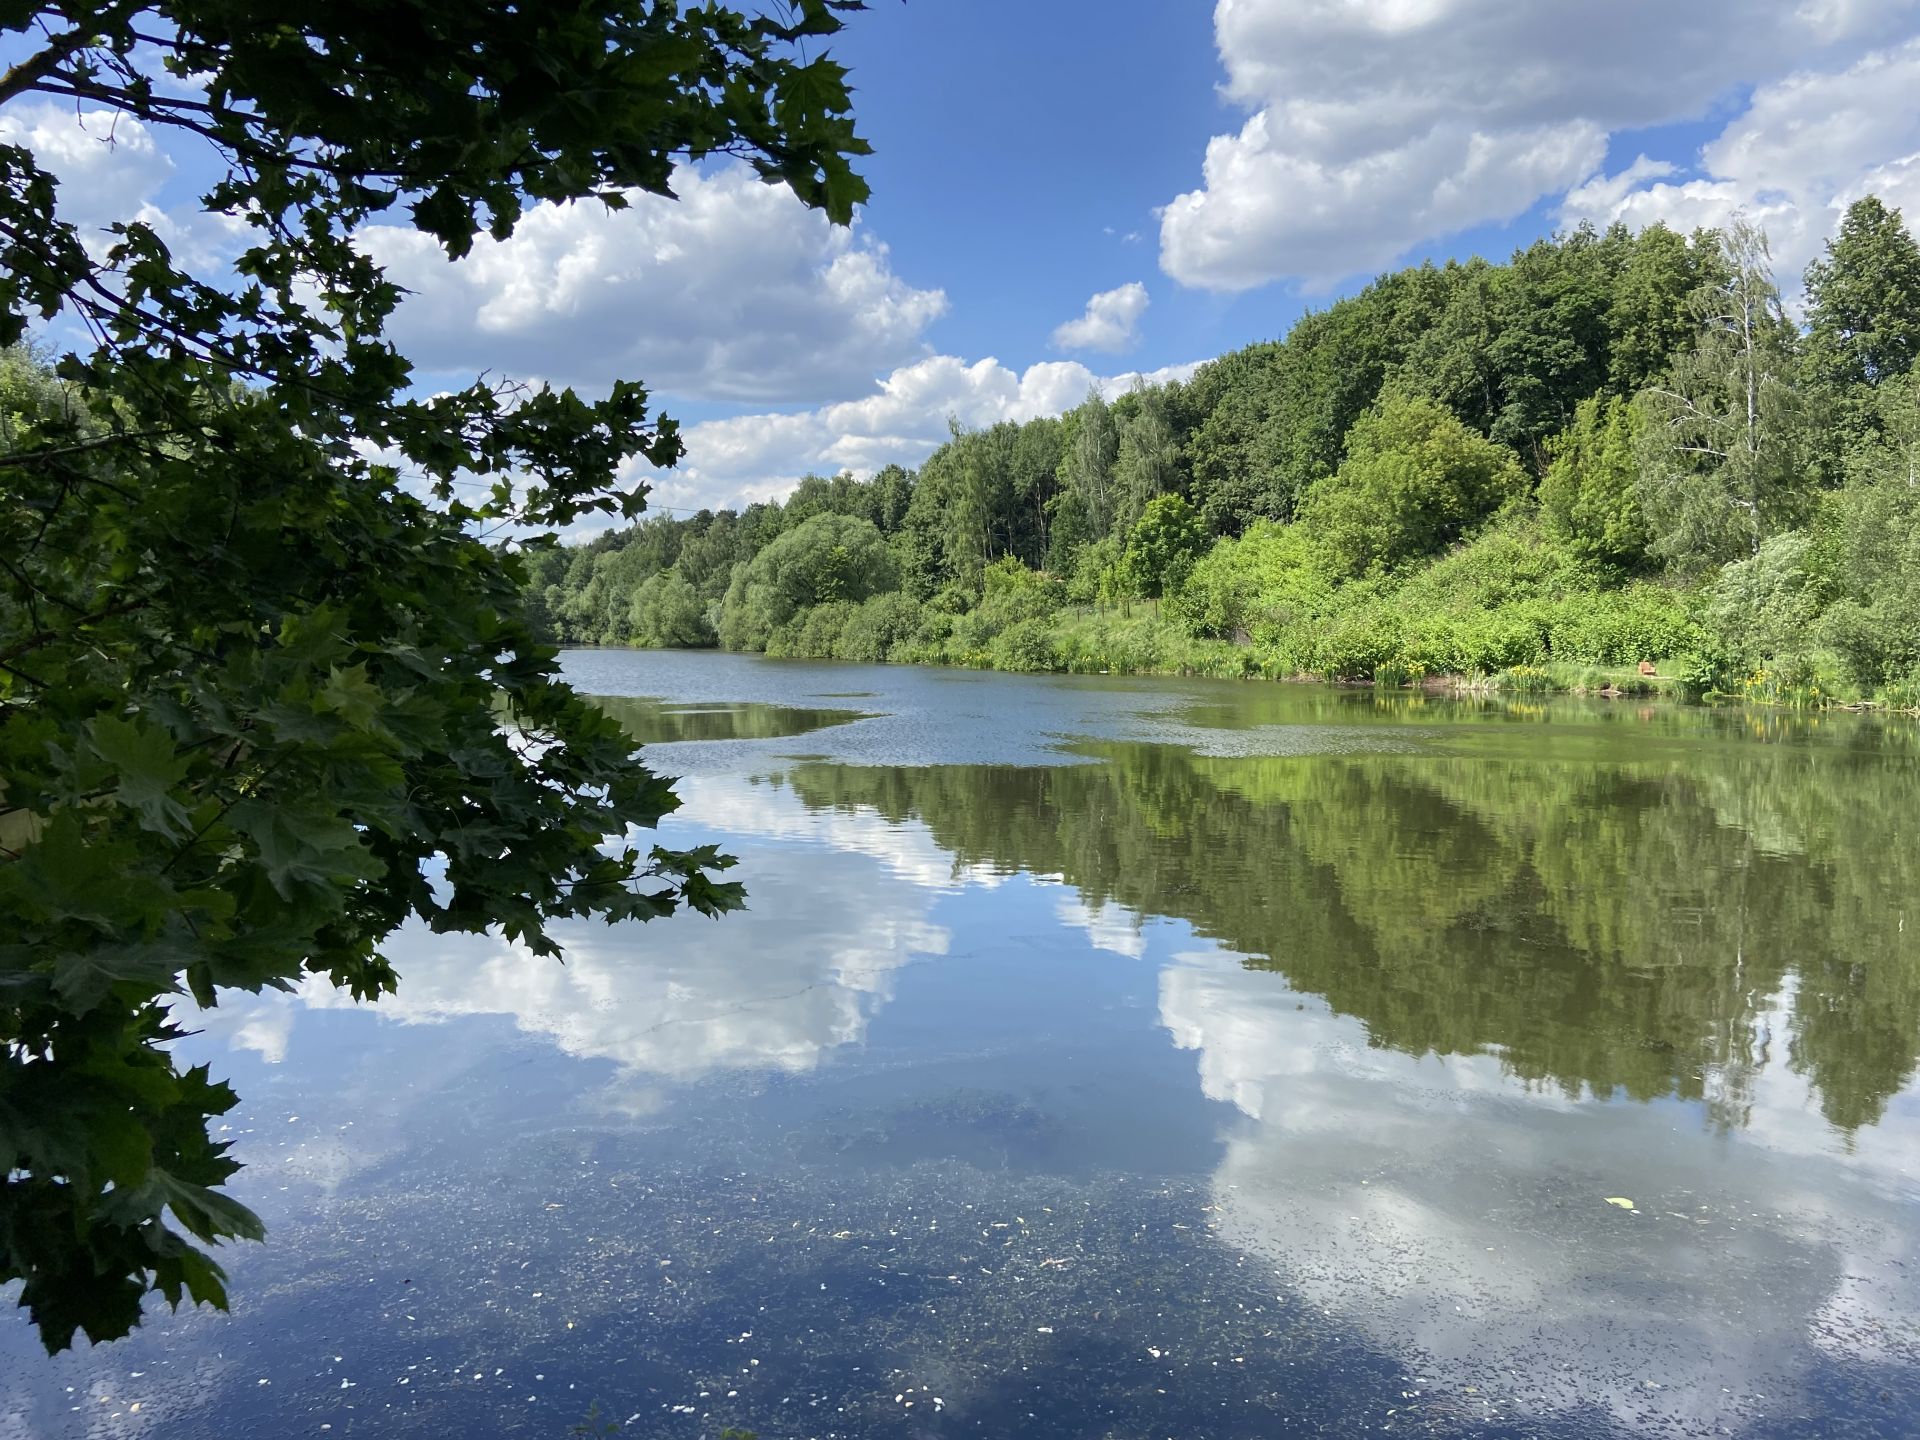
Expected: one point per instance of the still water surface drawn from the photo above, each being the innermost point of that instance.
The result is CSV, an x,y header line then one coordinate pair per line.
x,y
1107,1058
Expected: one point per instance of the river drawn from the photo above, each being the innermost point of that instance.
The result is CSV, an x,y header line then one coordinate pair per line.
x,y
1112,1058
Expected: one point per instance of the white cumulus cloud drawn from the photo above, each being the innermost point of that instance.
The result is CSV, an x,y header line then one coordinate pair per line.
x,y
733,292
1437,1203
1111,321
110,168
797,976
1373,125
1805,148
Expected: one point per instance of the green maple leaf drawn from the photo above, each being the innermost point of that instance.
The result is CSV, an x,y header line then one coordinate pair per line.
x,y
354,698
300,846
147,767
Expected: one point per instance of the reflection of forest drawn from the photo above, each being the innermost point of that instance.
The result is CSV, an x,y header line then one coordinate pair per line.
x,y
1617,927
655,722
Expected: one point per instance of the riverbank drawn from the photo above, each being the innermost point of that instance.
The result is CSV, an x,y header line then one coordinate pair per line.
x,y
1506,611
1141,642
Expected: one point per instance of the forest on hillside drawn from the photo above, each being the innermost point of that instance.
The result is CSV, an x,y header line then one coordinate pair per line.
x,y
1617,449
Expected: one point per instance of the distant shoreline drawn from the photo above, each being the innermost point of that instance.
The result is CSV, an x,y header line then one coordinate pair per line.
x,y
1552,678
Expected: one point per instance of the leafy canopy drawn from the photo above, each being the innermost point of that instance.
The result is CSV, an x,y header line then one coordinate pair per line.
x,y
1588,497
1165,541
260,701
827,558
1415,479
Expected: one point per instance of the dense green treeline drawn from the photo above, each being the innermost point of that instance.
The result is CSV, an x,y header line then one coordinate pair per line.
x,y
1606,928
1614,448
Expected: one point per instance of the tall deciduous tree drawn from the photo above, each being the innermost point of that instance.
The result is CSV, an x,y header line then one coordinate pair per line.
x,y
1863,310
1652,316
1163,544
1551,349
1086,470
1724,456
251,687
1146,463
1589,496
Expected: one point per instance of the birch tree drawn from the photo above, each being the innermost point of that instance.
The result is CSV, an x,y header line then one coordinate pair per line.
x,y
1723,456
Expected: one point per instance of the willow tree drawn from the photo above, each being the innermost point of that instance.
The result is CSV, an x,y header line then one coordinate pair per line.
x,y
251,686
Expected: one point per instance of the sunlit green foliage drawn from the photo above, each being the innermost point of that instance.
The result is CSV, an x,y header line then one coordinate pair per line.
x,y
1469,469
828,558
1589,497
1863,313
1867,550
1725,450
1414,481
1264,580
667,612
1165,541
1766,605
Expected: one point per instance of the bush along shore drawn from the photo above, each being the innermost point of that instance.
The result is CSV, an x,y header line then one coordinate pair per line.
x,y
1615,464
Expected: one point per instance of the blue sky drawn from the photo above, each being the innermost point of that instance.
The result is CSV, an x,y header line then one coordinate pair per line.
x,y
1017,146
1022,152
1073,193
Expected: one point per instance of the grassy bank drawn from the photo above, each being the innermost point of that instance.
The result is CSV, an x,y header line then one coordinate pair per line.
x,y
1139,639
1502,613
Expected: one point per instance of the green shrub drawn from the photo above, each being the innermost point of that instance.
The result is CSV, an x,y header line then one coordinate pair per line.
x,y
1163,545
1025,645
878,625
1096,576
1874,643
812,634
1351,646
828,558
1622,627
1265,580
1765,605
1509,561
667,611
1011,592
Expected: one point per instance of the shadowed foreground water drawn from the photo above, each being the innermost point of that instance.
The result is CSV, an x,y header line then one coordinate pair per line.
x,y
1113,1059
